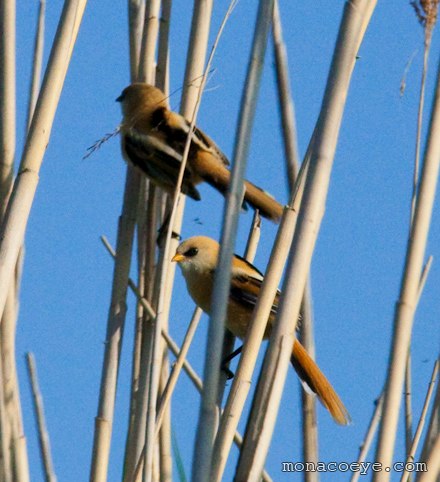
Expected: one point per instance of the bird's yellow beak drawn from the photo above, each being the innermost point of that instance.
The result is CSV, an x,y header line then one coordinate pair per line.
x,y
178,257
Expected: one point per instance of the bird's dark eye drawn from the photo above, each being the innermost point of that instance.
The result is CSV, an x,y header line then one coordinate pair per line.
x,y
191,252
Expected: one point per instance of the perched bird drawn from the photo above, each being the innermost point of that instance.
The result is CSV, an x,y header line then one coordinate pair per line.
x,y
154,137
197,257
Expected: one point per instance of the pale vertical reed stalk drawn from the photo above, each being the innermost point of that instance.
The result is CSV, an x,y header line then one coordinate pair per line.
x,y
115,324
309,417
408,408
165,447
14,224
18,442
208,416
147,62
146,46
268,290
253,238
427,45
117,309
10,313
43,434
144,264
5,434
9,319
432,462
198,44
355,19
136,15
38,61
406,305
369,436
27,179
433,425
9,410
408,405
162,69
242,379
7,98
430,21
166,273
146,234
309,422
285,100
146,238
412,451
197,382
131,284
162,81
229,338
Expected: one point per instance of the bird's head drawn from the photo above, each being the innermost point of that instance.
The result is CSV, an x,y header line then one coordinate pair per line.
x,y
197,254
140,96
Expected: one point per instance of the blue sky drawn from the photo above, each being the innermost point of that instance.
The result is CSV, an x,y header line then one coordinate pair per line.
x,y
358,260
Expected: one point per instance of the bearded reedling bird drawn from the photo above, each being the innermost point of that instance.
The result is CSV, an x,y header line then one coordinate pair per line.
x,y
197,257
154,137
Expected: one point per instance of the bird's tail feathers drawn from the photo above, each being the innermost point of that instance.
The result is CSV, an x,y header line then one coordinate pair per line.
x,y
263,201
312,376
219,178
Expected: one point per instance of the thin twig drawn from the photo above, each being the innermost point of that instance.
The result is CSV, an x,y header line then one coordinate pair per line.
x,y
427,46
408,406
43,434
420,425
369,436
424,277
37,62
175,372
285,100
433,426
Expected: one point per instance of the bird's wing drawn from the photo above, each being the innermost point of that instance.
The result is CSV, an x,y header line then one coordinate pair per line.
x,y
158,160
246,284
176,128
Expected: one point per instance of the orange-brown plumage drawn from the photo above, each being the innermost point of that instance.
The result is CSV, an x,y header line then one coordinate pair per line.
x,y
154,137
197,258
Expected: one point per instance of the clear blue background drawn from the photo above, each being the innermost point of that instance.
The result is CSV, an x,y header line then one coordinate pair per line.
x,y
358,259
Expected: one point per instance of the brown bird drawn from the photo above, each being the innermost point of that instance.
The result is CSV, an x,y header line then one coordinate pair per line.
x,y
197,257
154,137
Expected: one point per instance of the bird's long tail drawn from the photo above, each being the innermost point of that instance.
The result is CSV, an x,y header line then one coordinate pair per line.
x,y
310,373
219,177
261,200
